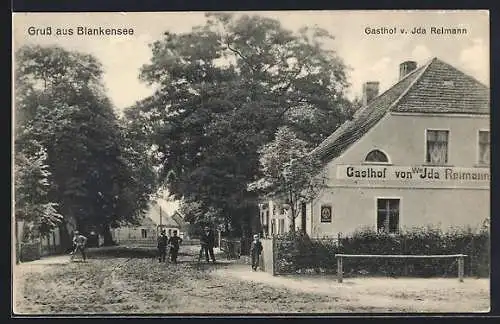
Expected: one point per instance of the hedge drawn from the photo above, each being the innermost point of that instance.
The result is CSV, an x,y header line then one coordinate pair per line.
x,y
298,253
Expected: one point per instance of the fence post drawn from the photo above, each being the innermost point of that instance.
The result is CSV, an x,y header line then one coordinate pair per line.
x,y
339,268
273,256
471,256
461,268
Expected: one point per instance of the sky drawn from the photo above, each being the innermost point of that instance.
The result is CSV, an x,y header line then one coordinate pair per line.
x,y
369,57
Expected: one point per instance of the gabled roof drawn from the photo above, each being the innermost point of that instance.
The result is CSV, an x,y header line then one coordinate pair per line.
x,y
166,220
421,91
146,222
178,218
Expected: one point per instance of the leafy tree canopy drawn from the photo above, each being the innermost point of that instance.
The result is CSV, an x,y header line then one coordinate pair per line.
x,y
98,175
223,89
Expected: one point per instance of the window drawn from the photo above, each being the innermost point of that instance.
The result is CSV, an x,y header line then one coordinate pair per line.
x,y
326,214
267,218
388,215
281,226
377,156
437,147
144,233
273,226
484,147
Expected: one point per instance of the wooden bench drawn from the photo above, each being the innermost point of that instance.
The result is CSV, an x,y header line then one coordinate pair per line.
x,y
459,257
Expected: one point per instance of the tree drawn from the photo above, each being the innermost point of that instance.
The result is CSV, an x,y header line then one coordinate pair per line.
x,y
32,184
61,104
290,173
223,90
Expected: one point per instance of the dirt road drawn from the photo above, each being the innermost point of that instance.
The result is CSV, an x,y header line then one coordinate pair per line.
x,y
142,285
414,295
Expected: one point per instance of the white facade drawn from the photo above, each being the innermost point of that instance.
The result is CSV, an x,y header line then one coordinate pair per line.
x,y
447,201
416,155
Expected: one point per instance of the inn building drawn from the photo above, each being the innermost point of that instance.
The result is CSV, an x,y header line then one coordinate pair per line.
x,y
417,154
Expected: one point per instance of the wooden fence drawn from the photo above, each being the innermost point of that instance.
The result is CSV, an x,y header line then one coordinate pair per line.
x,y
29,251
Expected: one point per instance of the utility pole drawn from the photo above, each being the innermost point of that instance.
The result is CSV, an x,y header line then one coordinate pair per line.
x,y
160,217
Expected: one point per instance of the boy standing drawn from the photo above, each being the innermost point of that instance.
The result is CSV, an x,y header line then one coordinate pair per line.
x,y
174,243
79,242
255,251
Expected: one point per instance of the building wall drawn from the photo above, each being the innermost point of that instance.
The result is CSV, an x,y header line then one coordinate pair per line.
x,y
355,208
423,201
402,137
133,233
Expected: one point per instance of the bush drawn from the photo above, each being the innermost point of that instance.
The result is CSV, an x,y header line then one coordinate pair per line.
x,y
296,253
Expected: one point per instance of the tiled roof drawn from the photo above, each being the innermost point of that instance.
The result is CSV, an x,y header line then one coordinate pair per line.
x,y
421,91
431,93
178,218
155,212
146,222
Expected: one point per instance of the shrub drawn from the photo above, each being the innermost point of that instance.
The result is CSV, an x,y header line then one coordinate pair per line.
x,y
296,252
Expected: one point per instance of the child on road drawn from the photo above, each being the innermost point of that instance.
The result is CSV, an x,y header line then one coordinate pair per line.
x,y
255,250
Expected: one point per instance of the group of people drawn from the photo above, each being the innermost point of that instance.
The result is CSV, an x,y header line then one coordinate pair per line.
x,y
207,242
173,242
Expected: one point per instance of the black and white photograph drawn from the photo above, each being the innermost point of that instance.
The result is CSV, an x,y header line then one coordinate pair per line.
x,y
251,162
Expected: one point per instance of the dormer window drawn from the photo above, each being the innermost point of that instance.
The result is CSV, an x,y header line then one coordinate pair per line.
x,y
376,156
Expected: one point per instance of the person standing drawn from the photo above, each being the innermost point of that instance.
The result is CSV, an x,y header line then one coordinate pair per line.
x,y
255,251
162,246
207,241
79,242
174,243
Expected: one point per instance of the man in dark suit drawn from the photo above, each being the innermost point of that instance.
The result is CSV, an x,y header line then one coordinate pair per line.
x,y
174,243
207,241
162,246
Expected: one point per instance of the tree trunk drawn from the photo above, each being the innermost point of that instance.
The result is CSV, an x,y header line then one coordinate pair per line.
x,y
292,210
65,236
106,233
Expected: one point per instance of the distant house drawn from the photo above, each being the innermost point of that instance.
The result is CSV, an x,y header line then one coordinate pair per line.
x,y
183,225
143,234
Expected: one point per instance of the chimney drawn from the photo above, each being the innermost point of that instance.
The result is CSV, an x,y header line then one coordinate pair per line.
x,y
370,91
406,68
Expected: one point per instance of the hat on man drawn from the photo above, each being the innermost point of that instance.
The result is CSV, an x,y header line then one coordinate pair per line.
x,y
77,232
